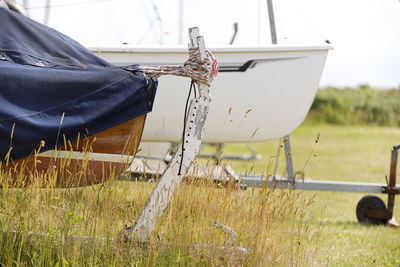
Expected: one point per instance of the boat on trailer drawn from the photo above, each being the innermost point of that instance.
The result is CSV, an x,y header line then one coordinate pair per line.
x,y
68,114
63,110
53,87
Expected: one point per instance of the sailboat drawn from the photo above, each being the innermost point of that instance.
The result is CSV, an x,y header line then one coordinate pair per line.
x,y
263,92
66,113
264,89
63,108
46,76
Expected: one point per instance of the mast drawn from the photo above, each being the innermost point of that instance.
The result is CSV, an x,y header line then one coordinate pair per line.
x,y
180,22
272,22
286,139
46,13
26,6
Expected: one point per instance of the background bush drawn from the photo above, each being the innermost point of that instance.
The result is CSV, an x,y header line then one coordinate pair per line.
x,y
362,105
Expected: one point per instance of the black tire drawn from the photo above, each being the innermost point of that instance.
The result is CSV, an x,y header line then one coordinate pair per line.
x,y
366,203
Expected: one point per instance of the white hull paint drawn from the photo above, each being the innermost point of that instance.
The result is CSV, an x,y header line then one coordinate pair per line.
x,y
268,100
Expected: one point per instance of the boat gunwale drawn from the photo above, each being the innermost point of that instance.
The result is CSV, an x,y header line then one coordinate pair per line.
x,y
216,49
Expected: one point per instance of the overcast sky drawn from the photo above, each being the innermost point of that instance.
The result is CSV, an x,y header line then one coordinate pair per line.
x,y
365,33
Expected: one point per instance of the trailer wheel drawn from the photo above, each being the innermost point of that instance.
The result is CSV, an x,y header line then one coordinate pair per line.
x,y
368,203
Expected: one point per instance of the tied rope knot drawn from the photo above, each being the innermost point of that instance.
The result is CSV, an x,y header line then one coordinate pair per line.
x,y
202,71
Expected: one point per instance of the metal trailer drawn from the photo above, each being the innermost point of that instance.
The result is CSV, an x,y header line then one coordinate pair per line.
x,y
370,209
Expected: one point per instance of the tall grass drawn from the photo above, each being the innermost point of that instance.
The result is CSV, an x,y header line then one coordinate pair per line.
x,y
362,105
79,226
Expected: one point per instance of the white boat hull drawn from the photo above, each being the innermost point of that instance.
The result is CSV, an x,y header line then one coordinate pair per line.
x,y
266,101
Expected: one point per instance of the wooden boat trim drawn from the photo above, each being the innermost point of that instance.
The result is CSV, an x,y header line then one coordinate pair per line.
x,y
126,159
108,152
122,139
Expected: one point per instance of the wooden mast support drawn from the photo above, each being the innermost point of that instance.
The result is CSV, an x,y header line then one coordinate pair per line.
x,y
172,176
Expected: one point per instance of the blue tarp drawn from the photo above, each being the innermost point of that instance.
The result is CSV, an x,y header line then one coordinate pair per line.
x,y
45,74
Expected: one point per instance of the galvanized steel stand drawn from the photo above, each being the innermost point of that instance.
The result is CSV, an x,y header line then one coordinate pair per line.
x,y
183,158
370,209
288,158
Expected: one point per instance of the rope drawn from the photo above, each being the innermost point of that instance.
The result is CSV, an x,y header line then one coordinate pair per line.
x,y
202,71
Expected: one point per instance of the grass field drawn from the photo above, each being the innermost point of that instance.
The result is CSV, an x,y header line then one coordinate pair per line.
x,y
343,153
281,228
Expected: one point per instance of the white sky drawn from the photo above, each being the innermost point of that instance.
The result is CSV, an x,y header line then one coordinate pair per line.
x,y
365,33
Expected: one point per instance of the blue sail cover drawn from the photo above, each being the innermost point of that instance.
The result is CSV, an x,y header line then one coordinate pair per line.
x,y
45,74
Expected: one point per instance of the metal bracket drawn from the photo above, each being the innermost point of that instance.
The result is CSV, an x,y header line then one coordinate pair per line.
x,y
288,157
218,155
170,179
391,189
232,235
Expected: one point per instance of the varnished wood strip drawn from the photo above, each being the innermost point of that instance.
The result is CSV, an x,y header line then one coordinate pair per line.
x,y
121,139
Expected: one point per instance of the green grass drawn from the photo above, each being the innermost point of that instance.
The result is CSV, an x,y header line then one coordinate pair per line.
x,y
274,225
343,153
281,228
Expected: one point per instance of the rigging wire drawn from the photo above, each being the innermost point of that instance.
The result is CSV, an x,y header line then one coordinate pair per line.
x,y
259,22
283,32
151,24
69,4
146,32
260,31
160,22
309,24
114,24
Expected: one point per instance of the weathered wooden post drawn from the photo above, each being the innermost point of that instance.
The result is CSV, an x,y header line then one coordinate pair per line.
x,y
183,158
